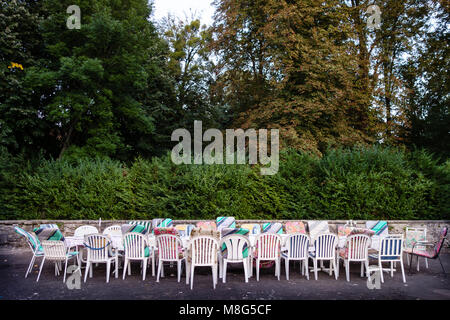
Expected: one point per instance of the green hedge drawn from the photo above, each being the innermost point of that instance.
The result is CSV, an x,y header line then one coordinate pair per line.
x,y
371,183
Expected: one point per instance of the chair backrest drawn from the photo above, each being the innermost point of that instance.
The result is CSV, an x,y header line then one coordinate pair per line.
x,y
115,230
49,225
380,227
204,251
413,235
391,247
163,230
168,247
84,230
162,223
254,228
227,231
98,247
358,247
206,232
268,246
225,222
272,227
138,228
184,230
295,227
54,249
134,245
49,234
297,246
147,225
32,241
207,225
317,227
325,246
441,240
235,247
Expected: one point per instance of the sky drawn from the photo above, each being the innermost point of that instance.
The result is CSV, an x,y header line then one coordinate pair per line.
x,y
202,8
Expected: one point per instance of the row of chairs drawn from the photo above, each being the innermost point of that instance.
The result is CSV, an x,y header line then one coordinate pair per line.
x,y
320,254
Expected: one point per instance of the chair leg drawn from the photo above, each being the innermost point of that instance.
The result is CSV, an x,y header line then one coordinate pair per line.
x,y
245,264
403,271
315,268
188,272
40,269
125,265
220,267
257,269
158,273
347,270
426,263
286,264
117,267
362,269
30,266
418,259
442,266
214,274
381,271
108,270
192,276
306,267
88,266
224,271
336,274
144,269
277,268
392,268
65,271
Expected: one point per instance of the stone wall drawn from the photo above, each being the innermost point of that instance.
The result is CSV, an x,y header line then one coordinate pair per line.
x,y
9,238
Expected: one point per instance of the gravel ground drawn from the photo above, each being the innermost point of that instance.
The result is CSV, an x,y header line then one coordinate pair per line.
x,y
427,284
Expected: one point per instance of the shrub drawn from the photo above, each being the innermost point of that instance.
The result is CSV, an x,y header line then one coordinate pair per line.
x,y
360,183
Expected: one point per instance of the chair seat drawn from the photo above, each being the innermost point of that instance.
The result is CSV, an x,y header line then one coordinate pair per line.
x,y
421,252
375,256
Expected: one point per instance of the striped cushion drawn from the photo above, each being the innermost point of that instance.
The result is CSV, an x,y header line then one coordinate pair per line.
x,y
430,253
317,227
32,240
380,227
165,223
49,225
375,256
272,227
254,228
295,227
184,229
134,228
146,224
49,234
207,225
225,222
162,230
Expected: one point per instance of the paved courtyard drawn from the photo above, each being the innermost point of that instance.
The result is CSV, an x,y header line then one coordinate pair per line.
x,y
427,284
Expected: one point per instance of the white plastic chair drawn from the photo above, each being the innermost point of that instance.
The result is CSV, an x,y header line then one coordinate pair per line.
x,y
235,245
268,248
325,250
297,248
84,230
391,250
113,230
56,251
203,253
136,248
356,250
169,251
99,251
